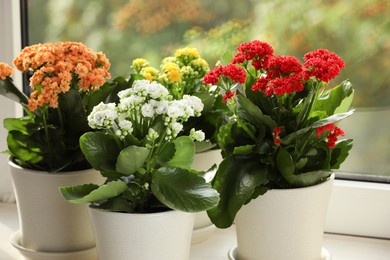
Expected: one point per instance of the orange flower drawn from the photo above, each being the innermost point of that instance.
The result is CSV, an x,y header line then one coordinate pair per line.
x,y
56,66
5,70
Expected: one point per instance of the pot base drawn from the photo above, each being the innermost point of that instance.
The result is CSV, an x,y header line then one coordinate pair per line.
x,y
232,254
31,254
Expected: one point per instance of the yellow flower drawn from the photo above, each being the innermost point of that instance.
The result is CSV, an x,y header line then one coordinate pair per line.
x,y
190,53
169,59
172,71
139,64
149,73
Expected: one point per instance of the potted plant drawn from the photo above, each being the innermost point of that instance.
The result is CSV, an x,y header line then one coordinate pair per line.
x,y
139,212
65,81
182,74
281,143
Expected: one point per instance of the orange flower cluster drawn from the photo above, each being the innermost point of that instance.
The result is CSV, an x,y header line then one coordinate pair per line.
x,y
58,67
5,70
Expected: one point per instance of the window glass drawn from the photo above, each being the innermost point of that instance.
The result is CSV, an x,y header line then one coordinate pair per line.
x,y
358,31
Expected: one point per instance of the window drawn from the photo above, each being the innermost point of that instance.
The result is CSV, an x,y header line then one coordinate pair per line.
x,y
359,32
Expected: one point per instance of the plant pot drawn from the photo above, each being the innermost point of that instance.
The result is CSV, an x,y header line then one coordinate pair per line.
x,y
203,226
284,224
149,236
49,224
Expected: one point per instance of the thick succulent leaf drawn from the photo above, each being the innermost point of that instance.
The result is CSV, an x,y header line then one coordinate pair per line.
x,y
183,190
340,153
88,193
286,166
184,153
236,182
100,149
252,113
10,91
338,98
131,159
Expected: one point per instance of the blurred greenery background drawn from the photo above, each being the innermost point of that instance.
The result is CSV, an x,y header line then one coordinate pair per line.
x,y
358,31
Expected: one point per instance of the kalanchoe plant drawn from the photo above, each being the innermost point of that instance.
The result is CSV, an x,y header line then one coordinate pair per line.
x,y
282,131
183,74
65,84
138,149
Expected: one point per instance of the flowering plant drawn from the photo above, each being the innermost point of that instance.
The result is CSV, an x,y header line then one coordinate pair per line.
x,y
183,74
282,131
65,83
138,149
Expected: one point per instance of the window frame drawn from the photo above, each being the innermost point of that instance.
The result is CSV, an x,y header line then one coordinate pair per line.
x,y
356,207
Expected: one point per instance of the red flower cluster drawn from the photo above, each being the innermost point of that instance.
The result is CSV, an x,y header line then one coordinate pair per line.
x,y
331,137
276,136
322,64
284,75
256,51
235,73
278,75
228,95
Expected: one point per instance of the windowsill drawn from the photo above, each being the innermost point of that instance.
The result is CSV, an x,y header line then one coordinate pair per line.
x,y
340,247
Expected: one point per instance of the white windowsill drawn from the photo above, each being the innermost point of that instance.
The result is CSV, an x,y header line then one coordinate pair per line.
x,y
341,247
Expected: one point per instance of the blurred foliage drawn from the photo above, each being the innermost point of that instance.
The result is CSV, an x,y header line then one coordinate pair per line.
x,y
358,31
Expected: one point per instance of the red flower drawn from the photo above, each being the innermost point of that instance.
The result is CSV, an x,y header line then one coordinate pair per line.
x,y
235,73
334,132
284,75
322,64
276,136
228,95
256,51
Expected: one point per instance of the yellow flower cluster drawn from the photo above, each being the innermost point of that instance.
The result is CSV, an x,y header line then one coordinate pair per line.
x,y
181,72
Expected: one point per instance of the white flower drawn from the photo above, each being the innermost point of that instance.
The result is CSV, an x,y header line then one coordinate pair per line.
x,y
195,103
125,93
102,115
175,109
140,87
161,107
130,103
197,135
176,128
147,110
157,91
126,125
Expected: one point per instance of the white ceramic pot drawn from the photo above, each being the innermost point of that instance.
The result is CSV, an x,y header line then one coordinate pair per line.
x,y
203,226
284,224
48,223
151,236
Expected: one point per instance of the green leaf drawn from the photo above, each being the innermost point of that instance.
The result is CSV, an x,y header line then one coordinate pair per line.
x,y
184,153
236,181
10,91
252,113
166,153
18,124
23,148
340,152
88,193
243,150
74,118
183,190
93,98
100,149
207,100
286,167
131,159
338,98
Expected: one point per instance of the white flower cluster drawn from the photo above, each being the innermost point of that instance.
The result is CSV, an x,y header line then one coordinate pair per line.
x,y
140,105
